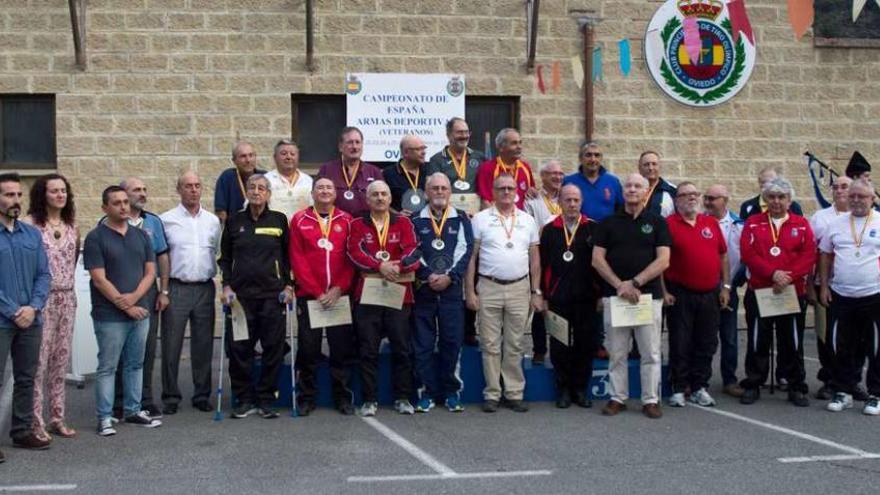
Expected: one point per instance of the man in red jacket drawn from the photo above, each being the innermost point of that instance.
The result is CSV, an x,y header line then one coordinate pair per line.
x,y
383,246
509,161
323,273
779,250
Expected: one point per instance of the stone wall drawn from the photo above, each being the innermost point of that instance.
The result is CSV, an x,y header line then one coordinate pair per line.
x,y
171,84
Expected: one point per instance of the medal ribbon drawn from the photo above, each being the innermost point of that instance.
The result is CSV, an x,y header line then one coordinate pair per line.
x,y
325,232
414,184
650,194
774,232
460,167
852,227
240,184
569,239
501,167
438,229
383,232
554,207
349,182
507,232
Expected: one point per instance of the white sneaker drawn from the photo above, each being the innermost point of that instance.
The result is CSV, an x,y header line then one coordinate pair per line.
x,y
677,400
702,398
105,427
840,402
404,407
872,406
368,409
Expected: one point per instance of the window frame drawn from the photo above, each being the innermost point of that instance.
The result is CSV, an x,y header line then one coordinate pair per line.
x,y
31,168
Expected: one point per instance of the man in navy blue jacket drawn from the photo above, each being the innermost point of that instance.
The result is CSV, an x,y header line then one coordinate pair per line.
x,y
446,242
24,287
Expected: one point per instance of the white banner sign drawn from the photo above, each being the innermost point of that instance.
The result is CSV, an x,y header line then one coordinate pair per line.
x,y
386,107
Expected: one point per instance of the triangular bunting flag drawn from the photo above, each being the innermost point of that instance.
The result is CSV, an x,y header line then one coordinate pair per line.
x,y
857,7
577,71
739,21
539,71
555,77
597,64
625,58
800,15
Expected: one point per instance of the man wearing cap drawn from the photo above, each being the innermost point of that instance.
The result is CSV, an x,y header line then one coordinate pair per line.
x,y
697,286
508,144
570,288
351,175
407,179
630,252
824,319
507,261
291,189
383,246
851,252
323,274
229,191
757,204
256,272
544,208
445,241
779,250
600,189
661,194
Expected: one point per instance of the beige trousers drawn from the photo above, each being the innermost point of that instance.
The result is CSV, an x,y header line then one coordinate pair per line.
x,y
618,342
504,313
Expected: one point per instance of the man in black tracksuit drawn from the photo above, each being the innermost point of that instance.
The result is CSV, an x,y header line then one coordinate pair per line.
x,y
569,284
256,270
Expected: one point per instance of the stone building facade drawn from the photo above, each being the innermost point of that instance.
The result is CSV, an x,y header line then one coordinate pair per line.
x,y
171,84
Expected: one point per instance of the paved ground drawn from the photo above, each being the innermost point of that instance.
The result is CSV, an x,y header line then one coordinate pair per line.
x,y
771,447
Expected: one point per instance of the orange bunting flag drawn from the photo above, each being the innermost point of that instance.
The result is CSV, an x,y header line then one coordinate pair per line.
x,y
800,15
556,76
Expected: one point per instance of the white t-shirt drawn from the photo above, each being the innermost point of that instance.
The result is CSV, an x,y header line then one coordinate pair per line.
x,y
820,220
852,275
495,258
537,208
287,197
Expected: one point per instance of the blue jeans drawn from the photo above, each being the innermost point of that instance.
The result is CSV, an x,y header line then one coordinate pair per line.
x,y
128,340
727,333
439,324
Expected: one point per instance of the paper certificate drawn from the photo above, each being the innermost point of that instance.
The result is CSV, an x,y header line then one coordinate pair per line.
x,y
557,327
469,203
290,204
379,292
338,314
771,304
627,314
239,322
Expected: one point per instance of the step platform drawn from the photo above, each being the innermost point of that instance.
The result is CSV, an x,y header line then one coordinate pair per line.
x,y
540,384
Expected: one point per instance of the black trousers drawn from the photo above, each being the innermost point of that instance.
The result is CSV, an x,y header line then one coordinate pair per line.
x,y
265,321
24,347
539,336
824,348
373,323
789,344
855,335
573,365
692,322
340,340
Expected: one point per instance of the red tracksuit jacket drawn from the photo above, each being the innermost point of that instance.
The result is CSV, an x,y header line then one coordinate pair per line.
x,y
363,243
315,269
796,242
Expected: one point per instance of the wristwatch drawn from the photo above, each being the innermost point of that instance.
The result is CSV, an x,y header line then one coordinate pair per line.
x,y
165,292
537,292
726,286
636,283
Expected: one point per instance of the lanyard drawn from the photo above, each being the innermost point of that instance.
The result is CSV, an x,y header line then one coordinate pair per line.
x,y
460,167
438,229
349,182
325,231
383,231
569,239
240,184
501,167
774,231
414,184
650,194
852,226
552,206
507,232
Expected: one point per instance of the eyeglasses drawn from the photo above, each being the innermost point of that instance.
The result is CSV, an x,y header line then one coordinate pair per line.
x,y
505,189
713,198
688,195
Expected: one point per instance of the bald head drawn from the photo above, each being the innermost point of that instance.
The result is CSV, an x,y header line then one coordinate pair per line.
x,y
412,150
189,188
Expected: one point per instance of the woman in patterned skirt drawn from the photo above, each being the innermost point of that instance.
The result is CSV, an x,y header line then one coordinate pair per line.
x,y
52,211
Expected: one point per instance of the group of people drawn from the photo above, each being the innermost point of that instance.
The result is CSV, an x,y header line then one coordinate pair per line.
x,y
430,254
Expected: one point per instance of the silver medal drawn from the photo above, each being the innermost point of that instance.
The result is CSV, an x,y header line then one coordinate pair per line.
x,y
509,245
383,255
349,195
775,251
567,256
322,243
462,185
858,254
438,244
415,200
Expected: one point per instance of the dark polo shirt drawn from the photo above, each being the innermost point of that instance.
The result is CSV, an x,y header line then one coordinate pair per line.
x,y
631,245
123,259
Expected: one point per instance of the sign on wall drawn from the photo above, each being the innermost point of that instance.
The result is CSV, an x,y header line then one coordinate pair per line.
x,y
721,68
385,107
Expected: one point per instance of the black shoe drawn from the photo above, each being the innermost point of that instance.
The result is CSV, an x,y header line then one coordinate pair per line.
x,y
490,406
203,405
118,413
581,400
859,393
305,408
345,409
750,396
31,442
153,411
144,419
2,457
169,409
268,413
798,398
517,405
563,400
538,359
824,393
243,410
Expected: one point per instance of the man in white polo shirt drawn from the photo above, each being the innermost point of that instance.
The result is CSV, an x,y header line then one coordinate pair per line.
x,y
506,258
291,188
851,257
